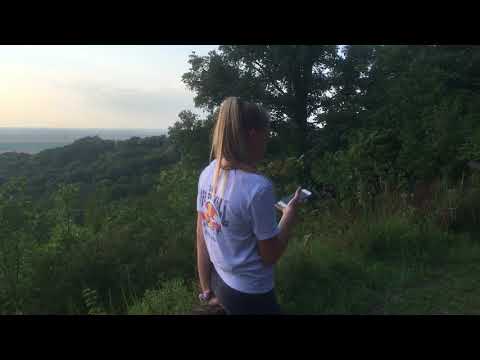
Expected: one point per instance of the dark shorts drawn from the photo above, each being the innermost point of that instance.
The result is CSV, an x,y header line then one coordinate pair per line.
x,y
239,303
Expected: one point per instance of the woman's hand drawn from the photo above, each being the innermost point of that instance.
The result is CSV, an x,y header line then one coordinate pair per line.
x,y
291,209
270,250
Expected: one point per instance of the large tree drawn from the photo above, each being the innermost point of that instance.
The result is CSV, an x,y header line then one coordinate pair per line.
x,y
291,81
428,97
346,106
191,136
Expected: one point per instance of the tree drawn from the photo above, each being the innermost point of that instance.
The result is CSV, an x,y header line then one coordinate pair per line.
x,y
346,106
17,242
428,96
291,81
190,136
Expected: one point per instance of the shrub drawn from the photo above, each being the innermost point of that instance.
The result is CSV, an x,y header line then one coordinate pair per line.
x,y
174,297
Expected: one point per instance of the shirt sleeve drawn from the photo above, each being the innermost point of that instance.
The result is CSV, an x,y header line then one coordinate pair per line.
x,y
199,200
199,193
262,209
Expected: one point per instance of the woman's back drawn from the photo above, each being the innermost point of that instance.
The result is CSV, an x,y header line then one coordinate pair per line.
x,y
240,214
237,229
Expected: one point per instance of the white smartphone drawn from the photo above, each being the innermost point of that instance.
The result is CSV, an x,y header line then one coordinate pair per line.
x,y
304,195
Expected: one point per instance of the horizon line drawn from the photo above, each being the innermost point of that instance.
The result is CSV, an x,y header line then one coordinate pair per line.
x,y
76,128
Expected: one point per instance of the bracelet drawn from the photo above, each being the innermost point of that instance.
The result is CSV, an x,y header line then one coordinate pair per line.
x,y
205,296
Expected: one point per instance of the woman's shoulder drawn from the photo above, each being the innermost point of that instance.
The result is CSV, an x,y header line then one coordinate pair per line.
x,y
258,186
259,181
207,169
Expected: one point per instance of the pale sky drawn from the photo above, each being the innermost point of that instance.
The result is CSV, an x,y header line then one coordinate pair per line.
x,y
94,86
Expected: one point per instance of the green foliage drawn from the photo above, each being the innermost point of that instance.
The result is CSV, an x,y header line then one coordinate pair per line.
x,y
17,245
397,239
344,263
174,297
365,169
91,301
291,81
121,168
191,137
428,96
470,149
285,173
109,226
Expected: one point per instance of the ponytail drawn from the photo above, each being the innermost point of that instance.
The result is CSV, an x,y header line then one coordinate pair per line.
x,y
229,140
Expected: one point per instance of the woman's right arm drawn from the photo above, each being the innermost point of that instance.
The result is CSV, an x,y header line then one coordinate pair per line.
x,y
203,259
272,249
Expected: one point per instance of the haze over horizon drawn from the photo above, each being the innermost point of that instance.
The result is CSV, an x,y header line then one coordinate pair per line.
x,y
94,86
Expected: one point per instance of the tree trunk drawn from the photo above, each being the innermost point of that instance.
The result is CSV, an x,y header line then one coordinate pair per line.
x,y
302,83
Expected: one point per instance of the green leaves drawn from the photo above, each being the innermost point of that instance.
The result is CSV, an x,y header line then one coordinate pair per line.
x,y
90,297
174,297
470,149
17,242
190,137
289,80
113,220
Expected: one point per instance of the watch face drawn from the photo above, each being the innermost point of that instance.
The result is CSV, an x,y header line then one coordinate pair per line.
x,y
205,296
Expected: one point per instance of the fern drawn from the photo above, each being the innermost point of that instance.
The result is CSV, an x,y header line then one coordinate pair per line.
x,y
90,297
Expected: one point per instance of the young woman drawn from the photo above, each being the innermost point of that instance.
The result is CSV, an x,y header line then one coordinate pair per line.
x,y
238,238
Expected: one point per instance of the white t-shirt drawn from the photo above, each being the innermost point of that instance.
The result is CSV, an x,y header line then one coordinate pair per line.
x,y
233,223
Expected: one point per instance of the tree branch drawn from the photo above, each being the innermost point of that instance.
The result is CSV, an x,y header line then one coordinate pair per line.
x,y
262,71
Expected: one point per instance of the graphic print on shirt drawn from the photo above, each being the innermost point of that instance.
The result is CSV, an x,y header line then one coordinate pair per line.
x,y
213,212
211,217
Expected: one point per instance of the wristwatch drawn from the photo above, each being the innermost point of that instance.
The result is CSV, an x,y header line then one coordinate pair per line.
x,y
205,296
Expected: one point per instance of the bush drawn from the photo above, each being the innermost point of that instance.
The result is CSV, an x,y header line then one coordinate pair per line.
x,y
396,239
175,297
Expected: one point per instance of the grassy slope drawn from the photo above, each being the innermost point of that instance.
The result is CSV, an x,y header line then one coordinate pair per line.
x,y
395,260
455,289
368,286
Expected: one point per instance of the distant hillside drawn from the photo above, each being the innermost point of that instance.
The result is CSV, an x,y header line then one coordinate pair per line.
x,y
29,147
125,167
34,140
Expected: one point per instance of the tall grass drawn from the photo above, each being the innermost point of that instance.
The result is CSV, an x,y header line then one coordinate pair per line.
x,y
345,257
354,259
174,296
347,261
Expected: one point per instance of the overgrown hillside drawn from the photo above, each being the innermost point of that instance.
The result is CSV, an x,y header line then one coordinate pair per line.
x,y
382,134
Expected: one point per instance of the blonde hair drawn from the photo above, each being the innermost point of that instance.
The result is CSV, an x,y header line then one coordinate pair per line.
x,y
229,142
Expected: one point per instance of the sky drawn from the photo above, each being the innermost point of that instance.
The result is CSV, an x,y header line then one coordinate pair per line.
x,y
95,86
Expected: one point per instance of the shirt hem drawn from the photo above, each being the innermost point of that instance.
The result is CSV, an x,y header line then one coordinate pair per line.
x,y
230,281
